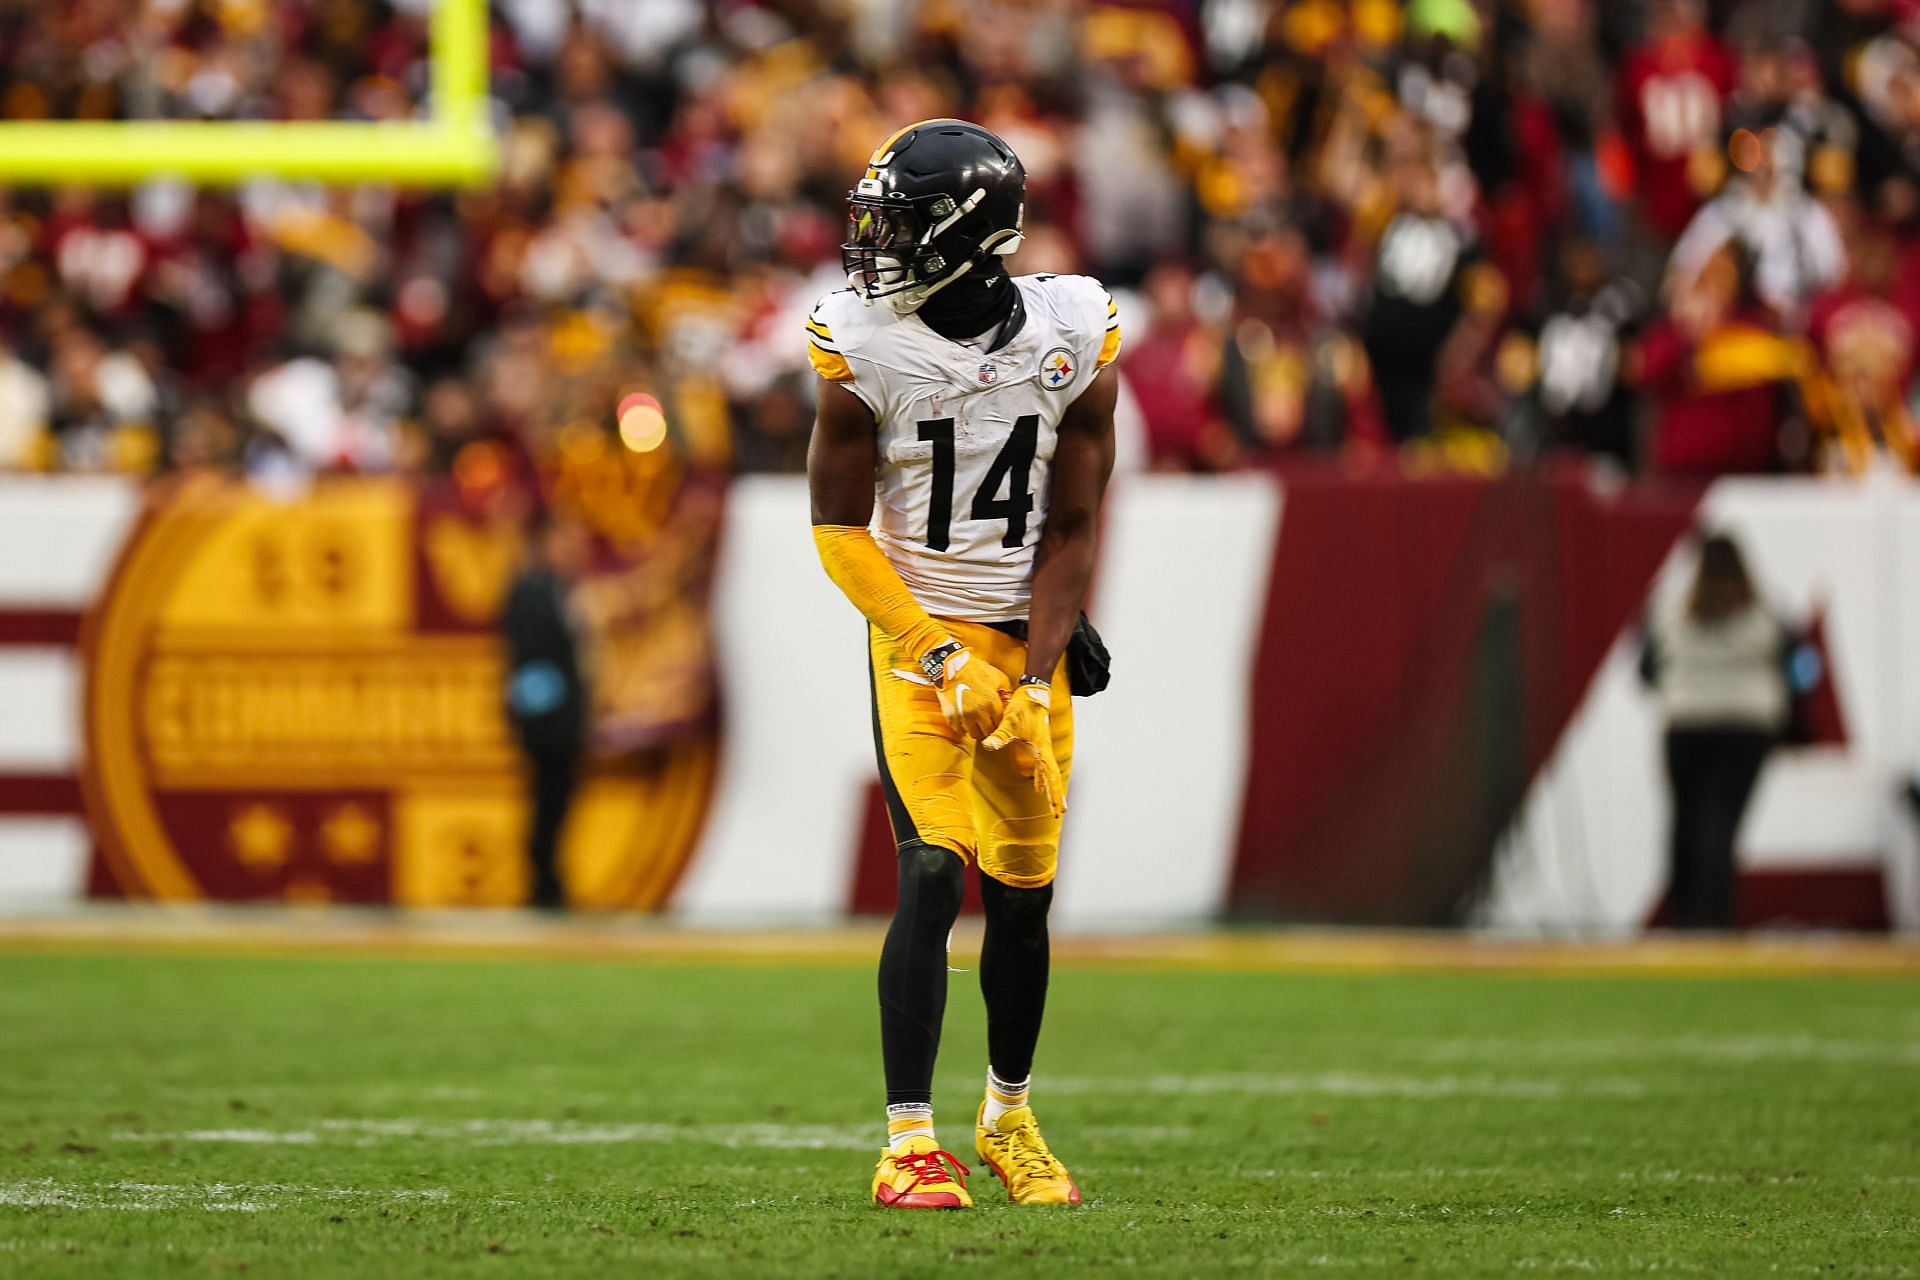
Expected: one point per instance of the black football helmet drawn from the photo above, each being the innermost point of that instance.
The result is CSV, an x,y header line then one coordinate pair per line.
x,y
939,199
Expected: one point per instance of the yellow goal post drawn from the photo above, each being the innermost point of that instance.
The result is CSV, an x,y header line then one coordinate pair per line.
x,y
455,147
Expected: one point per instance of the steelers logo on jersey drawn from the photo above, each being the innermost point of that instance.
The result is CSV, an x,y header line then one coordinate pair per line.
x,y
1057,369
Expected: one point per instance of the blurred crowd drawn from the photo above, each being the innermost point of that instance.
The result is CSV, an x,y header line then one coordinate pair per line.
x,y
1673,236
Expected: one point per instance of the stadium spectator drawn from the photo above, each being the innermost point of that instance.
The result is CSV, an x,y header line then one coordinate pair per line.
x,y
1794,241
1718,661
1420,277
25,408
1290,381
1867,334
1583,388
1173,367
1672,101
104,403
1720,374
343,414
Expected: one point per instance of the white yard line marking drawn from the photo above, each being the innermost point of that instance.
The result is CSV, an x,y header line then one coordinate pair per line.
x,y
1695,1048
266,1137
538,1132
1560,1174
495,1133
217,1197
1355,1085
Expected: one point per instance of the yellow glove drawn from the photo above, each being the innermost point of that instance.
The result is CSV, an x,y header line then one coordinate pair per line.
x,y
1028,729
973,692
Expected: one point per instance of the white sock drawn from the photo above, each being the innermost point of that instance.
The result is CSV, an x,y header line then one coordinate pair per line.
x,y
908,1120
1002,1097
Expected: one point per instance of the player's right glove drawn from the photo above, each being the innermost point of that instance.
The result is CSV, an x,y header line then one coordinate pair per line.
x,y
973,692
1028,729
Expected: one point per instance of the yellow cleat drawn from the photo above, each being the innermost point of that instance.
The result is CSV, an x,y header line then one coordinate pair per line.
x,y
1015,1153
920,1176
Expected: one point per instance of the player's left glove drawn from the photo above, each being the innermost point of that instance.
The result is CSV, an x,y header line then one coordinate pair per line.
x,y
1028,729
973,692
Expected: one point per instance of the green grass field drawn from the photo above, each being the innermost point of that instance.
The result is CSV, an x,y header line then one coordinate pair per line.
x,y
326,1116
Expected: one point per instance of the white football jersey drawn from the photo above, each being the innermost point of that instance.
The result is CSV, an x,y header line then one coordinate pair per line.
x,y
966,436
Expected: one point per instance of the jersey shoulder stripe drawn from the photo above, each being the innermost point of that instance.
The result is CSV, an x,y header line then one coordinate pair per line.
x,y
830,327
1084,304
1081,302
1110,345
830,365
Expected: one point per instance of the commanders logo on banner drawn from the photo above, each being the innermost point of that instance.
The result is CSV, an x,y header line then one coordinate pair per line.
x,y
303,700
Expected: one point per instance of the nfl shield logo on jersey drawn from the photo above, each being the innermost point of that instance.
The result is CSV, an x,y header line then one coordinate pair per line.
x,y
988,373
1056,369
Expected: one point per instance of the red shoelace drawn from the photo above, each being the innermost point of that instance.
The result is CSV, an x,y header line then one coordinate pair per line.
x,y
925,1167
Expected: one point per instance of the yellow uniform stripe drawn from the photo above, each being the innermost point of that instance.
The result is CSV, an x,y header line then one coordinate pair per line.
x,y
819,330
898,134
830,365
1109,350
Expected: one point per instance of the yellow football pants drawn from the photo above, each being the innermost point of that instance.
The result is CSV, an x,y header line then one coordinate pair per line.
x,y
942,788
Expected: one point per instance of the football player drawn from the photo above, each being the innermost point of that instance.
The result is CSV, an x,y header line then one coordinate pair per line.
x,y
960,453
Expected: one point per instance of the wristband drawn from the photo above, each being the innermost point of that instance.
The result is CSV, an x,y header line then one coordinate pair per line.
x,y
935,662
1041,681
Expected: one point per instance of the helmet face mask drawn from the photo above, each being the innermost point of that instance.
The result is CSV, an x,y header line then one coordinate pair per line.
x,y
938,200
882,252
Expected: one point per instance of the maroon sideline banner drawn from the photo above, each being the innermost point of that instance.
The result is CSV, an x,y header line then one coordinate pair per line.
x,y
1424,647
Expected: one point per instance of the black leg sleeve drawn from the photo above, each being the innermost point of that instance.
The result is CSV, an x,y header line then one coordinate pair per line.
x,y
913,968
1014,960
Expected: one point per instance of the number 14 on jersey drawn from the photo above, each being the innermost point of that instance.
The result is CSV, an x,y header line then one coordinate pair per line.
x,y
1012,471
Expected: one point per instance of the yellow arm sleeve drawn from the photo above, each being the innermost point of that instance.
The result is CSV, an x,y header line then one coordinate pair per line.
x,y
858,567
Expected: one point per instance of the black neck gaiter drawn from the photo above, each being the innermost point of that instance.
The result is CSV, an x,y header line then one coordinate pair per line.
x,y
971,305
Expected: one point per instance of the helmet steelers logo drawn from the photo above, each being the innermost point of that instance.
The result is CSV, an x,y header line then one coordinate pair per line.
x,y
1057,369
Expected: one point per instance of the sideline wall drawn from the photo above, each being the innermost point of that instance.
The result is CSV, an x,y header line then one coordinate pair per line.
x,y
1333,700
